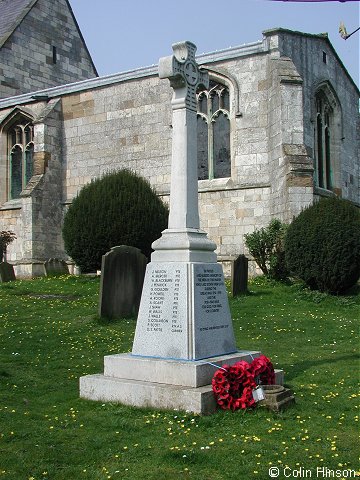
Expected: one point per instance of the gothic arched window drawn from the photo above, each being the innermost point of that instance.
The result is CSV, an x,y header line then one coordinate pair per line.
x,y
323,154
213,132
21,152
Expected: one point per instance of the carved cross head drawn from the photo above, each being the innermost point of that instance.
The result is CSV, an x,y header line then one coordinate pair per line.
x,y
184,75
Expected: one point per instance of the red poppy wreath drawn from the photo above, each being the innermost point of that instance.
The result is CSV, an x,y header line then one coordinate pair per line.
x,y
233,386
263,370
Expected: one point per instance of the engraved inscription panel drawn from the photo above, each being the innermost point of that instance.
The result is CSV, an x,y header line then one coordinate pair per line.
x,y
184,312
162,324
213,327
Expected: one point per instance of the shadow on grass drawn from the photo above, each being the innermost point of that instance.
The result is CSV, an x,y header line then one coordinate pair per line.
x,y
250,293
353,291
303,289
301,367
112,320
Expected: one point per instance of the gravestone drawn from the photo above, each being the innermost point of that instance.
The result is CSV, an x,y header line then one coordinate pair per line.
x,y
122,278
184,329
7,273
54,267
239,275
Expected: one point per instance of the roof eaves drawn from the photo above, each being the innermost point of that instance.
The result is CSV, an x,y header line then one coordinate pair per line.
x,y
99,82
81,86
272,31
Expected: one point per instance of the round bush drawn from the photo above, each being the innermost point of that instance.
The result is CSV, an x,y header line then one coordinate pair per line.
x,y
120,208
322,245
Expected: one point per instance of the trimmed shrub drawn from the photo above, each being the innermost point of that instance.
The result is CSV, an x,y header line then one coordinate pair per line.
x,y
266,245
322,245
120,208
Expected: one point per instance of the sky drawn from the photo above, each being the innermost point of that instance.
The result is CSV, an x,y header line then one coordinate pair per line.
x,y
123,35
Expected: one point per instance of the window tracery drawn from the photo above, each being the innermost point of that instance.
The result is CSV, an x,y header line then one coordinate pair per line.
x,y
21,153
213,108
323,142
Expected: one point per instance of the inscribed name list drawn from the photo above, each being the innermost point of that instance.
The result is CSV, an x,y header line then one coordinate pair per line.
x,y
184,312
161,329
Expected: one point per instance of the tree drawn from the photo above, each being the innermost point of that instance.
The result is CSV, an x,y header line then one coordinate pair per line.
x,y
322,245
121,208
266,245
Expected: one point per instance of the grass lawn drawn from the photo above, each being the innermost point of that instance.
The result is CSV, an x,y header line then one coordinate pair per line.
x,y
50,335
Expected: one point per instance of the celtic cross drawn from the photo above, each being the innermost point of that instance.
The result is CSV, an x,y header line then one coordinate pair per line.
x,y
184,75
183,240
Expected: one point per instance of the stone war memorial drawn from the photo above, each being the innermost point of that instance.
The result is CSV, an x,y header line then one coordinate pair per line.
x,y
184,330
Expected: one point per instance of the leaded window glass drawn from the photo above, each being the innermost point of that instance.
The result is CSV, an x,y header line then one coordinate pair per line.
x,y
323,171
21,153
213,132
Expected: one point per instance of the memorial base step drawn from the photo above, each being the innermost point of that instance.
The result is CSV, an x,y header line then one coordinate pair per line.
x,y
160,383
194,373
136,393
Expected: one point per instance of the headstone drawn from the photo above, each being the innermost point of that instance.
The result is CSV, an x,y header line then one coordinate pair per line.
x,y
184,327
239,275
7,273
122,278
54,267
73,269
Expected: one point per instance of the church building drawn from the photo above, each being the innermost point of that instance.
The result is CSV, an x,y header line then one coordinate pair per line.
x,y
278,128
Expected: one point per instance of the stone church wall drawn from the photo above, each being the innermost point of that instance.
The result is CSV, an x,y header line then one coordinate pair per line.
x,y
128,125
124,121
121,126
26,58
318,64
36,217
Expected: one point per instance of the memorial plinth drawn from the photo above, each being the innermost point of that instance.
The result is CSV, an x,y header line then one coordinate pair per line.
x,y
184,329
160,383
184,312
